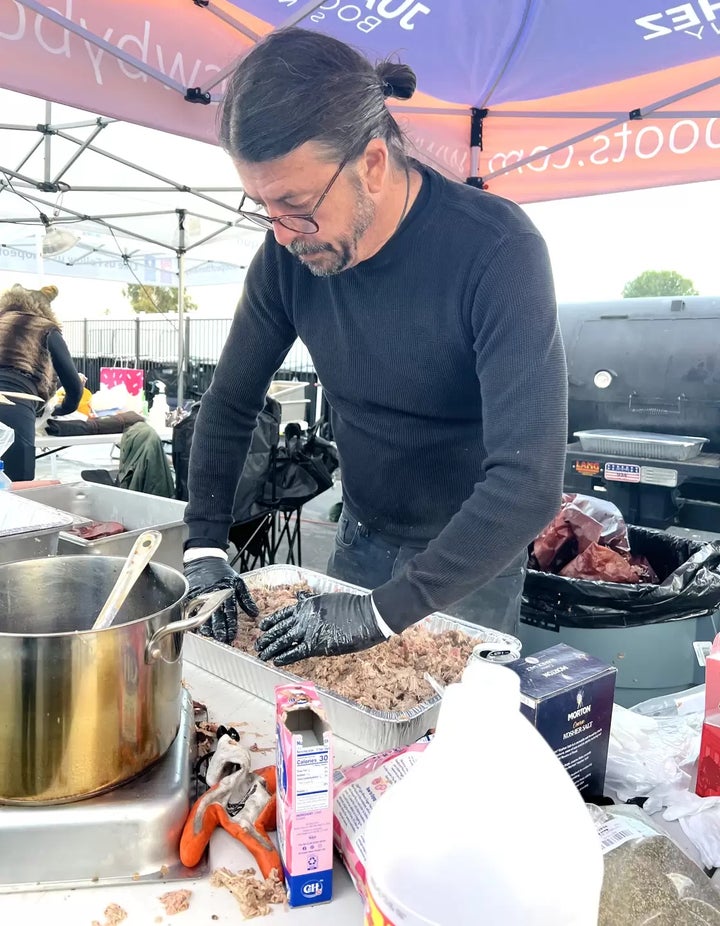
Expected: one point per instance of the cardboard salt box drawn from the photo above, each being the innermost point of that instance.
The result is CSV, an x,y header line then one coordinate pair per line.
x,y
304,794
568,696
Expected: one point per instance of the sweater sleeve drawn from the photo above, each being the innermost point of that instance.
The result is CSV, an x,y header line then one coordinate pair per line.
x,y
66,372
260,336
520,364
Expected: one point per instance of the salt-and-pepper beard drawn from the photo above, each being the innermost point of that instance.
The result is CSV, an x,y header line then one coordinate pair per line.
x,y
345,251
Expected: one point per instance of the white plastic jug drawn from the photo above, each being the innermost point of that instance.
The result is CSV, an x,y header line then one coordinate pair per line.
x,y
159,408
487,828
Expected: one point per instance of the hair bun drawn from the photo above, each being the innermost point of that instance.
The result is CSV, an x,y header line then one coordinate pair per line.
x,y
398,80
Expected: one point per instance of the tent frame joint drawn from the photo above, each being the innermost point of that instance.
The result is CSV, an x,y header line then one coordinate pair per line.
x,y
635,115
198,95
477,117
52,186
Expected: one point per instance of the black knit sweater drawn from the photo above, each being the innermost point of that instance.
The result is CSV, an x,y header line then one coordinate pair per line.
x,y
443,364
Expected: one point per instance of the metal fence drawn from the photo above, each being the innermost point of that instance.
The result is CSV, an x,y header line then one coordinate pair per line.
x,y
150,343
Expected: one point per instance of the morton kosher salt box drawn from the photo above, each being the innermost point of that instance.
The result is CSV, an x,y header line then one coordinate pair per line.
x,y
568,696
304,794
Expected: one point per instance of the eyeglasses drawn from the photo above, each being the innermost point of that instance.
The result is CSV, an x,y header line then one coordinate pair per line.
x,y
304,224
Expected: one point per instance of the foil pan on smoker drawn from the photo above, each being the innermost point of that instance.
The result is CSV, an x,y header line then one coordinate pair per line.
x,y
673,447
369,729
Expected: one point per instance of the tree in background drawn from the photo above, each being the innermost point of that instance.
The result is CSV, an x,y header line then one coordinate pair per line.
x,y
156,299
659,283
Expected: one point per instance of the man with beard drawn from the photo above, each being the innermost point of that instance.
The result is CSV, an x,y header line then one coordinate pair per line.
x,y
428,309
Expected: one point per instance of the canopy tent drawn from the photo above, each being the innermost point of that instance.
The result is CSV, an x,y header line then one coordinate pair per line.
x,y
73,202
127,197
535,99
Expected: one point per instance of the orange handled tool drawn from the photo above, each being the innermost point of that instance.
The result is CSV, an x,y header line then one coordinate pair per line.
x,y
239,800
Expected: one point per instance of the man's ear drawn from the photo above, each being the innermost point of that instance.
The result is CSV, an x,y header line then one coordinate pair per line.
x,y
374,165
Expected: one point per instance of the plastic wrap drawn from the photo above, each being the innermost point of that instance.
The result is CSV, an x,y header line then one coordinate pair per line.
x,y
582,522
648,755
648,880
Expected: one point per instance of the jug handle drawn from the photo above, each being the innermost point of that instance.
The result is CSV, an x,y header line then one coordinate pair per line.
x,y
196,612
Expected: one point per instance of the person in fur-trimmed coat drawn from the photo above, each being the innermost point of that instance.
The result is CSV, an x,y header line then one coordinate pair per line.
x,y
33,359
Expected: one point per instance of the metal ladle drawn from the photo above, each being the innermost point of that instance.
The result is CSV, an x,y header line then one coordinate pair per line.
x,y
138,558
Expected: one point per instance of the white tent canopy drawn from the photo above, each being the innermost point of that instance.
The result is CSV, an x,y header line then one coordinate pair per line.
x,y
92,197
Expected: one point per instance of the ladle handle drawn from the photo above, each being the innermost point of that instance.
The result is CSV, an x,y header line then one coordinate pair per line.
x,y
138,558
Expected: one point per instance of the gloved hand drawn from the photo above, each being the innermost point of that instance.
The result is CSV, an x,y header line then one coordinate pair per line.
x,y
209,574
320,625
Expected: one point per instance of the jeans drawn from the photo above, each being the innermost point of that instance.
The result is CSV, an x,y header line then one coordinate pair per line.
x,y
367,558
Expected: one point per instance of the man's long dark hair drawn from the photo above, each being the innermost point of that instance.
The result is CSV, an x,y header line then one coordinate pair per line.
x,y
298,86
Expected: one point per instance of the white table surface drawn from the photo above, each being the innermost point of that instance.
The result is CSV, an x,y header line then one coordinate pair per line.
x,y
59,442
226,704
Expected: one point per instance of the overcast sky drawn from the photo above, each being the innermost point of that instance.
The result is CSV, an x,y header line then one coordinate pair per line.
x,y
599,243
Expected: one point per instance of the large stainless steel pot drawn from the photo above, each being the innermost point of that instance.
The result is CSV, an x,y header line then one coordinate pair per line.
x,y
82,711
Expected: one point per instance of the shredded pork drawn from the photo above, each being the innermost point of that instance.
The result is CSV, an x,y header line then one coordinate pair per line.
x,y
114,914
390,677
253,894
176,901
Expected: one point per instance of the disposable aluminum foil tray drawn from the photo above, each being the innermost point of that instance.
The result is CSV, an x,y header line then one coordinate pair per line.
x,y
27,529
673,447
369,729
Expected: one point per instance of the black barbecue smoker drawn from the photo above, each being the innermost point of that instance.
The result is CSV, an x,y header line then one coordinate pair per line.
x,y
644,407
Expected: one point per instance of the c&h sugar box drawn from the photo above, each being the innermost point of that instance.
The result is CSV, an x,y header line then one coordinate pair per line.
x,y
304,794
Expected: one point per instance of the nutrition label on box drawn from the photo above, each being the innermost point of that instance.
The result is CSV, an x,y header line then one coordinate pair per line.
x,y
313,781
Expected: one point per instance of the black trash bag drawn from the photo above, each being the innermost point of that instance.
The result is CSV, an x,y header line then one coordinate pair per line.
x,y
689,574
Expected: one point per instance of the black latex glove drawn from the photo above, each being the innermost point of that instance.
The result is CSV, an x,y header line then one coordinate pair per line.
x,y
321,625
208,574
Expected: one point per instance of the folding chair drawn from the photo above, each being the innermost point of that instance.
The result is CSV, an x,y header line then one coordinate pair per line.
x,y
254,542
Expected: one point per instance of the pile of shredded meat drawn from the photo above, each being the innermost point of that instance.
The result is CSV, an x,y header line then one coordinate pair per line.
x,y
390,677
114,915
253,894
176,901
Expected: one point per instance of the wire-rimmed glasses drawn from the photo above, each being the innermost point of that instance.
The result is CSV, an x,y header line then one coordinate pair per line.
x,y
304,224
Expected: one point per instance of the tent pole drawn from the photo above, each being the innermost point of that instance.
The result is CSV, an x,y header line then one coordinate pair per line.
x,y
181,306
47,147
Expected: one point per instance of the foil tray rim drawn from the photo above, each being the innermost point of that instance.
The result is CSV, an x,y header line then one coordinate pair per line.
x,y
287,574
